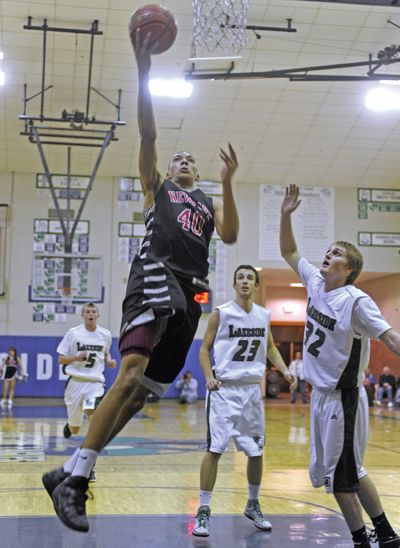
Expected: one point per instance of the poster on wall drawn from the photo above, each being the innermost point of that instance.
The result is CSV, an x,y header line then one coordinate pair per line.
x,y
313,221
129,190
129,241
374,201
382,239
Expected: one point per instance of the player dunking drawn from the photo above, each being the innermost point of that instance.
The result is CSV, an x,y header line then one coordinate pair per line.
x,y
340,321
160,316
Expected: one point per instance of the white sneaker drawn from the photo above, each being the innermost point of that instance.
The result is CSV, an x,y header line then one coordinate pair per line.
x,y
253,512
390,404
377,402
9,404
200,528
3,404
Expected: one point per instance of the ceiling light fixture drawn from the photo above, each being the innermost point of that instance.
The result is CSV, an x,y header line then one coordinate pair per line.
x,y
179,89
390,82
2,75
296,284
381,99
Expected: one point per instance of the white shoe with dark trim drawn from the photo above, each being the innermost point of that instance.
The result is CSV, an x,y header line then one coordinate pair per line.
x,y
200,528
253,512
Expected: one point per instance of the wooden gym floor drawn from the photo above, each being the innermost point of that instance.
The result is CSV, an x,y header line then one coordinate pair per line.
x,y
146,494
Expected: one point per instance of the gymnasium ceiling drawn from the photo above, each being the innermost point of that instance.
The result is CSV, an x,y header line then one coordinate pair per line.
x,y
310,132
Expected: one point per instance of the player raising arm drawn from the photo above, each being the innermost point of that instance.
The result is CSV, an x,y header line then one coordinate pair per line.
x,y
159,313
340,321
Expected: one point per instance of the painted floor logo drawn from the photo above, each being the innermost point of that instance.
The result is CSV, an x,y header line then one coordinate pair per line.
x,y
131,446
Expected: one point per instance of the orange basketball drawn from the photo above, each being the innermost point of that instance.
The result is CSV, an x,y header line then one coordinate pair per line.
x,y
156,20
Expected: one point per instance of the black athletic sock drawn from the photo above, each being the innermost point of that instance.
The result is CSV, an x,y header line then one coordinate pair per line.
x,y
360,536
382,526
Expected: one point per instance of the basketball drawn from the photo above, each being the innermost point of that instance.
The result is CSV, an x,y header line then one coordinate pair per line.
x,y
156,20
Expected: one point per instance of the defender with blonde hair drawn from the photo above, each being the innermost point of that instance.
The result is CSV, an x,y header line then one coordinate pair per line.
x,y
340,321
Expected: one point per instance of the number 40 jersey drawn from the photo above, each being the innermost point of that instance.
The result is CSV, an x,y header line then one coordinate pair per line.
x,y
240,345
96,344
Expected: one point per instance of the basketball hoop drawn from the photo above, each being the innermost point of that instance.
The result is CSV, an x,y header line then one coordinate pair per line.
x,y
220,23
66,295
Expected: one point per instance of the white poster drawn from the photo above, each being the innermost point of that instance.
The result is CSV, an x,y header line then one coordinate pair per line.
x,y
313,221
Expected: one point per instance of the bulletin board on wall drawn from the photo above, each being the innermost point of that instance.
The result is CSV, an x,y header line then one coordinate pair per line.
x,y
314,233
3,228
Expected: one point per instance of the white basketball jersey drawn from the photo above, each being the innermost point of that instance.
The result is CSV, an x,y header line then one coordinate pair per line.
x,y
334,354
95,343
240,346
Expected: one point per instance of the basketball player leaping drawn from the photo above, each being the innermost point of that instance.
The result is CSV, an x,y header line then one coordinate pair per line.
x,y
160,315
340,321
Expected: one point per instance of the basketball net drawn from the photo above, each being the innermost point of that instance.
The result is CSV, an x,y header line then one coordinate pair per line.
x,y
66,295
220,23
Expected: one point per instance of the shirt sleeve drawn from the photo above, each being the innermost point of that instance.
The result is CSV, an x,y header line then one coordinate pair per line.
x,y
64,347
306,271
108,342
367,319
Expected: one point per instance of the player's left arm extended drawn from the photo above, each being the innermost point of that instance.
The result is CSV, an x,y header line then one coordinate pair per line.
x,y
275,357
391,339
226,216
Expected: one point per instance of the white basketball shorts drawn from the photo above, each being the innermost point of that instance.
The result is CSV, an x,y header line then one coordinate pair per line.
x,y
79,397
339,435
236,411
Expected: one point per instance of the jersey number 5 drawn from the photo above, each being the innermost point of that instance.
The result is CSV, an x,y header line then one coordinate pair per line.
x,y
241,354
314,346
90,360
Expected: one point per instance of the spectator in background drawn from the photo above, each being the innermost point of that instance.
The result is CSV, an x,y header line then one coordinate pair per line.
x,y
387,387
10,370
188,387
296,369
369,385
397,396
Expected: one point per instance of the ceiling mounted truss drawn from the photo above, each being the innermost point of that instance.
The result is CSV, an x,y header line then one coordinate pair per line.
x,y
385,57
78,127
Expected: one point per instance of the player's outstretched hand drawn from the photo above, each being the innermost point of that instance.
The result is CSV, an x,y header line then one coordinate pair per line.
x,y
213,385
143,50
230,164
291,200
112,364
